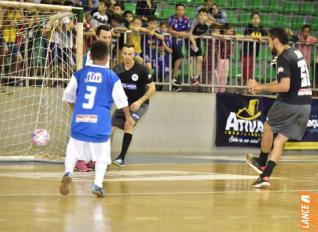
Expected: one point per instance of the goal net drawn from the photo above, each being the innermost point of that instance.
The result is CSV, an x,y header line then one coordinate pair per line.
x,y
37,57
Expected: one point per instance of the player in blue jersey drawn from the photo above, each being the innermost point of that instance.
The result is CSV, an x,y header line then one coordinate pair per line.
x,y
103,33
90,93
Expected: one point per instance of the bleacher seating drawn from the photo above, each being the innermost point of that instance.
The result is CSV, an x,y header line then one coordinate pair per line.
x,y
287,13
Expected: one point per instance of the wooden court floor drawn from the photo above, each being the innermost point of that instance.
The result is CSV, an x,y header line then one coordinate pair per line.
x,y
193,195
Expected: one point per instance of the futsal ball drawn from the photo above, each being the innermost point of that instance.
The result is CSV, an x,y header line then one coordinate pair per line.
x,y
40,137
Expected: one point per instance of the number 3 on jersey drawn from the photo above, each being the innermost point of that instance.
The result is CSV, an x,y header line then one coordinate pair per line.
x,y
90,96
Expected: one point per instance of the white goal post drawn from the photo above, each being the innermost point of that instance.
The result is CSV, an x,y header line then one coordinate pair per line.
x,y
40,47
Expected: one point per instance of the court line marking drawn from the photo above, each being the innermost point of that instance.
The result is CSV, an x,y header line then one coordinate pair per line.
x,y
193,218
146,218
47,219
237,217
242,159
258,191
136,176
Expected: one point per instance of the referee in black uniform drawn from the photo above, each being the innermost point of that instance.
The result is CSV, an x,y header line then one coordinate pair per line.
x,y
139,87
288,116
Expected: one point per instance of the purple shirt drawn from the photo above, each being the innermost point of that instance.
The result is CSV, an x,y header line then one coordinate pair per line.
x,y
179,25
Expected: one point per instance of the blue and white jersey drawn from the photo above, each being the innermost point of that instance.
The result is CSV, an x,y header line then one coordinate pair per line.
x,y
179,25
93,89
88,60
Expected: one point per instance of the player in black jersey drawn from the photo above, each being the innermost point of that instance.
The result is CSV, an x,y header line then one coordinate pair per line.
x,y
288,116
139,87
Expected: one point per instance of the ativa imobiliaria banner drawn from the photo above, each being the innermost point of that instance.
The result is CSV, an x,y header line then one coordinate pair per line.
x,y
240,119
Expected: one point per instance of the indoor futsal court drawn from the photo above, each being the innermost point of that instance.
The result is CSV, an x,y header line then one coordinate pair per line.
x,y
158,193
210,88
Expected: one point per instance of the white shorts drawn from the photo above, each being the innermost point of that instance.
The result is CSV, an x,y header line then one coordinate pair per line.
x,y
89,151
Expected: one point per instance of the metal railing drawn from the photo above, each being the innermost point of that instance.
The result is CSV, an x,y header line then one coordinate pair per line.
x,y
227,62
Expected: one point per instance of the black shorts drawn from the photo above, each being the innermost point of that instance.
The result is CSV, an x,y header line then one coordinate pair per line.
x,y
176,53
197,53
118,118
289,120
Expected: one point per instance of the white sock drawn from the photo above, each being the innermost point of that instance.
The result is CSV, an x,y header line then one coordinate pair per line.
x,y
70,162
100,170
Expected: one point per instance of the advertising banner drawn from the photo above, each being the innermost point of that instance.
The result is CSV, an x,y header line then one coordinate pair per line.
x,y
239,122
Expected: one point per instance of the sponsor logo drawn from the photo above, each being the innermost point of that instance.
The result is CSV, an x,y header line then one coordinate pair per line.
x,y
134,77
313,123
94,77
251,112
308,211
256,34
129,86
245,123
86,118
280,70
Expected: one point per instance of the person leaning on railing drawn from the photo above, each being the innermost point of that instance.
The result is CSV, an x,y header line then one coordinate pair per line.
x,y
254,31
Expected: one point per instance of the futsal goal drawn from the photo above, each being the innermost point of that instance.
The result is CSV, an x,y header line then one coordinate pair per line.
x,y
40,46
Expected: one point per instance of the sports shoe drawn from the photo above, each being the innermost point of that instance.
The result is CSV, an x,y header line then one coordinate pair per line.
x,y
176,81
98,191
66,180
119,162
194,81
253,163
81,166
91,165
176,89
261,183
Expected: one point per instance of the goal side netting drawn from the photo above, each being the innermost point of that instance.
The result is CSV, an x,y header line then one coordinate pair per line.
x,y
38,54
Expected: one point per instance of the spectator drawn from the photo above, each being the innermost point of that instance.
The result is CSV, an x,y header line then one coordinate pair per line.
x,y
88,30
129,17
252,31
162,64
315,84
11,18
198,29
179,27
119,11
150,43
117,40
135,38
146,8
208,4
90,5
306,41
111,7
3,47
223,56
292,38
100,17
219,15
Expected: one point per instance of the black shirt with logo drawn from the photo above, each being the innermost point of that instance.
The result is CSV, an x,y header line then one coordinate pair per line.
x,y
291,64
134,80
248,47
